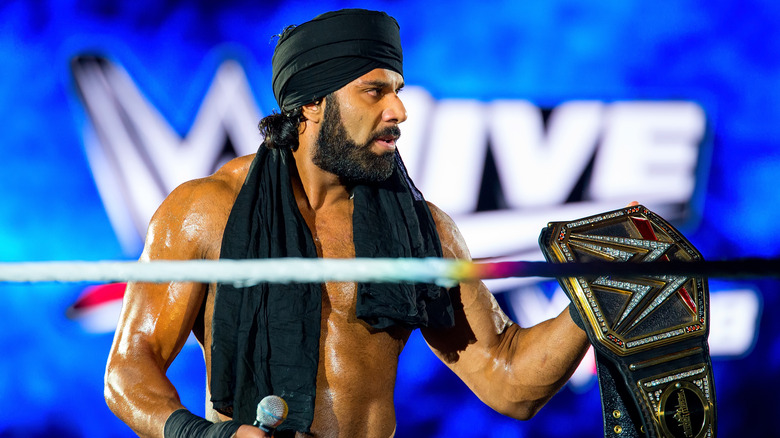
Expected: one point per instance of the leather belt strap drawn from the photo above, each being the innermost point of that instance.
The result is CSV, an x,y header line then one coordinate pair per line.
x,y
649,332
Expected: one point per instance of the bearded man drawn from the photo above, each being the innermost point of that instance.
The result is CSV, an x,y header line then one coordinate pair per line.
x,y
327,182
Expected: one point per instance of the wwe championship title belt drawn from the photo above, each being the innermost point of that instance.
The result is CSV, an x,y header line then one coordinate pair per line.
x,y
649,331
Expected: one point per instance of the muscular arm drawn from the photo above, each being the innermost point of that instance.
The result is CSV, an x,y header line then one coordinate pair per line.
x,y
156,319
512,369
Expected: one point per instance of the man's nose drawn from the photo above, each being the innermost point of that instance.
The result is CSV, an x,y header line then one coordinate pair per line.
x,y
395,112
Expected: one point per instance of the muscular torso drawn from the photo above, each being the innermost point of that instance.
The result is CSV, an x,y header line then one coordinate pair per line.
x,y
358,364
514,370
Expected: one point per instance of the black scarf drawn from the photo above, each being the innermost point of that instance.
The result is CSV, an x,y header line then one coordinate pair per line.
x,y
266,337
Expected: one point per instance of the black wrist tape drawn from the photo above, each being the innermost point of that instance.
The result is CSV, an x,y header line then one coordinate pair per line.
x,y
184,424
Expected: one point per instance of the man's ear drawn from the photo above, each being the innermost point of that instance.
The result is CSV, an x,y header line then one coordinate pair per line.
x,y
314,111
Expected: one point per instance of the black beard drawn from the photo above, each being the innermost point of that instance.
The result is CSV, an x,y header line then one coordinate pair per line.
x,y
336,153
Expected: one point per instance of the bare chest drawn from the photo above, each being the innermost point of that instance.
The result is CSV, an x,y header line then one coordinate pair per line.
x,y
332,233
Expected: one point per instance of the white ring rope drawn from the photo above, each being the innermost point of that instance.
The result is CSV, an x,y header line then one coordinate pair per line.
x,y
444,272
239,272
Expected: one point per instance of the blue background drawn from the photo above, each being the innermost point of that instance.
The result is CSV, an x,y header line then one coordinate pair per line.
x,y
725,55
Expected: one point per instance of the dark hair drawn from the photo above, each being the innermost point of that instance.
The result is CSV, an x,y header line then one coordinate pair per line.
x,y
281,129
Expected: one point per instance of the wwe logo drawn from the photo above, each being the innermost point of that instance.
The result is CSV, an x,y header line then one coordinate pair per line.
x,y
584,154
135,155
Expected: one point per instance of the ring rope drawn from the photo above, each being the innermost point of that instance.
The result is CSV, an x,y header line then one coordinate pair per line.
x,y
237,272
445,272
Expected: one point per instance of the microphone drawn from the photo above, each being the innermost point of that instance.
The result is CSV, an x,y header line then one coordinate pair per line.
x,y
271,412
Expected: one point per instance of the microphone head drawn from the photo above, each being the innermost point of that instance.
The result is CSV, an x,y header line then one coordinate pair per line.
x,y
271,412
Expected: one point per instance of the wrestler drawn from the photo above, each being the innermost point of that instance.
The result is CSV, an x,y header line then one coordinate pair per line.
x,y
327,182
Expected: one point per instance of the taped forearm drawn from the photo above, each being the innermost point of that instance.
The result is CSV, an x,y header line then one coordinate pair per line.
x,y
184,424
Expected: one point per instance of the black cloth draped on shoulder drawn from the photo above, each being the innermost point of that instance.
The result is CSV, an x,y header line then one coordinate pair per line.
x,y
265,338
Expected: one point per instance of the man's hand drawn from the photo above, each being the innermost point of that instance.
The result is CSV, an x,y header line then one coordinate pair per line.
x,y
246,431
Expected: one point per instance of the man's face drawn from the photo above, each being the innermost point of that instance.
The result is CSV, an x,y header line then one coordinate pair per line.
x,y
360,127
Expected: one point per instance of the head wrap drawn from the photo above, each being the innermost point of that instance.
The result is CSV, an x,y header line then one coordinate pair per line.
x,y
320,56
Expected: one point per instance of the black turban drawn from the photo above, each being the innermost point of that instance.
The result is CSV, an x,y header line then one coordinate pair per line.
x,y
320,56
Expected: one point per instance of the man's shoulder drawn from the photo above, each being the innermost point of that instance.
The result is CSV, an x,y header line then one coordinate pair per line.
x,y
452,242
233,173
219,188
442,220
195,212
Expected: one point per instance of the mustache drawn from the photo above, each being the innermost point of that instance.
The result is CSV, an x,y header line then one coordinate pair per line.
x,y
390,131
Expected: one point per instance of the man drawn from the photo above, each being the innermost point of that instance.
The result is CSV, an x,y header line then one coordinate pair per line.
x,y
326,183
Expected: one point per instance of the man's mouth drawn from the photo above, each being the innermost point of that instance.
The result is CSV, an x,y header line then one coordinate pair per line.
x,y
387,142
387,139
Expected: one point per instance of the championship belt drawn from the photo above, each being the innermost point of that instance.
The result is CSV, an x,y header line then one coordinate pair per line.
x,y
649,331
